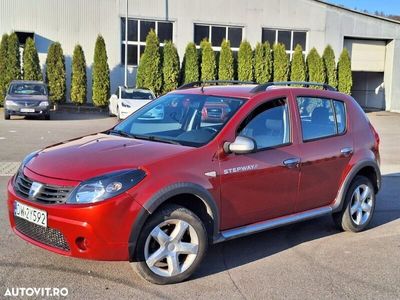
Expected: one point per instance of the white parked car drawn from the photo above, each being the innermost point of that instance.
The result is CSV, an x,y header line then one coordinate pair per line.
x,y
125,101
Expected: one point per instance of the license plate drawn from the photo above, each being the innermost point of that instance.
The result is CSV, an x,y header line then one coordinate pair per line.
x,y
28,110
33,215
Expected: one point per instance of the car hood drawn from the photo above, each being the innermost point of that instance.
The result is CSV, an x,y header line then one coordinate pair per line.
x,y
94,155
26,97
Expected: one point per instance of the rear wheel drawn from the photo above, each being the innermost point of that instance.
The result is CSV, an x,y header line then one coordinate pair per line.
x,y
6,116
171,245
359,206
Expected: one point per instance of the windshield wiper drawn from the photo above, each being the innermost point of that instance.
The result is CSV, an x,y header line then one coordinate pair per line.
x,y
143,137
155,139
121,133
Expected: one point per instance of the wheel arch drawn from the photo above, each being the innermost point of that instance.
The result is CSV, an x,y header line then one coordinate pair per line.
x,y
189,195
367,168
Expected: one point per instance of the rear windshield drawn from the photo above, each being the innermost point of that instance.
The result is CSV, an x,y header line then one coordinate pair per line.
x,y
27,89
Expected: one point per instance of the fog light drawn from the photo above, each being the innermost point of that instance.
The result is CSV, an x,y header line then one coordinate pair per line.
x,y
82,243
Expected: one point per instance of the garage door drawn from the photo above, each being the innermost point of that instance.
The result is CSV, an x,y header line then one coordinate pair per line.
x,y
366,55
366,89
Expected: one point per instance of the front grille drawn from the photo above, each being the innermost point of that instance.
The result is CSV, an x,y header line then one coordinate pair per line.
x,y
45,235
48,194
28,103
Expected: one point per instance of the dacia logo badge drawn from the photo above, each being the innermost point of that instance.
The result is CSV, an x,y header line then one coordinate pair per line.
x,y
35,189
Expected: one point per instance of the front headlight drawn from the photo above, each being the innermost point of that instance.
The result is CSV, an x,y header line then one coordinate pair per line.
x,y
25,161
10,102
44,103
106,186
125,105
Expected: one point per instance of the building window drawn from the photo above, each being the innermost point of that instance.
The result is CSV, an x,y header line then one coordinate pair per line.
x,y
289,38
137,33
217,33
23,36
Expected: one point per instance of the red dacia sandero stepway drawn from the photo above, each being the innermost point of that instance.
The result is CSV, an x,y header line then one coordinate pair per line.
x,y
224,161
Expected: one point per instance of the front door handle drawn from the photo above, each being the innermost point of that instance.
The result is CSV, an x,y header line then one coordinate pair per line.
x,y
347,151
292,162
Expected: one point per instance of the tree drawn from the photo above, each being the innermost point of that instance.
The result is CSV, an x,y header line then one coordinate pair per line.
x,y
149,73
101,74
3,67
262,62
245,62
281,62
170,67
298,65
345,79
190,64
315,66
13,59
78,76
31,64
55,72
226,69
208,64
328,58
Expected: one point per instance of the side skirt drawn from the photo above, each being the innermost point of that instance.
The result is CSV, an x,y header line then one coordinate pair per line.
x,y
271,224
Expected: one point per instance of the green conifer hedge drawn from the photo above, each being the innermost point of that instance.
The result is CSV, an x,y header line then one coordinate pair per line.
x,y
55,73
100,74
78,76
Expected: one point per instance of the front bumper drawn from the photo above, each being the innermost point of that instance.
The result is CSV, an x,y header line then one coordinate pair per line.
x,y
104,227
15,110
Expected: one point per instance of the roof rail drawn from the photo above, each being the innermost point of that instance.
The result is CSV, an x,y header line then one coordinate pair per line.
x,y
211,82
262,87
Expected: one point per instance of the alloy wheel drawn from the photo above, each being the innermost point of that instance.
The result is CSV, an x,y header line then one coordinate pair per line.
x,y
171,248
361,204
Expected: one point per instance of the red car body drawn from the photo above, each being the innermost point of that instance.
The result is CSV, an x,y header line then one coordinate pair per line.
x,y
227,202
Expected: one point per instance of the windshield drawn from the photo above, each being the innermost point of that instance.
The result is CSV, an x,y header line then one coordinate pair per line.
x,y
191,120
136,95
27,89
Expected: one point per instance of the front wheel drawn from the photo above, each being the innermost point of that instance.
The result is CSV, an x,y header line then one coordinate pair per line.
x,y
171,245
6,116
359,206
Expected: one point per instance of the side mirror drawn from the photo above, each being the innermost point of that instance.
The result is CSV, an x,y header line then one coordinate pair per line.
x,y
241,145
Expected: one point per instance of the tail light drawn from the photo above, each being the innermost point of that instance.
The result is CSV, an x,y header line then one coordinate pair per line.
x,y
376,137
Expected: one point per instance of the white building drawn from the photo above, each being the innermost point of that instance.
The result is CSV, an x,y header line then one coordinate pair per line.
x,y
374,42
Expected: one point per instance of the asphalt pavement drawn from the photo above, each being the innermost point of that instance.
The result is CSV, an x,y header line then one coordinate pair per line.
x,y
305,260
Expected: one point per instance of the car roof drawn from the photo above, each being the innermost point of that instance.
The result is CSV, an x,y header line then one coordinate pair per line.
x,y
28,81
238,91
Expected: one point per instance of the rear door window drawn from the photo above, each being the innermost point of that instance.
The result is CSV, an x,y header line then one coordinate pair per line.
x,y
321,117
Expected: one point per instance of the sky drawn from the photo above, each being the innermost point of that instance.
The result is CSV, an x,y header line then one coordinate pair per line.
x,y
387,6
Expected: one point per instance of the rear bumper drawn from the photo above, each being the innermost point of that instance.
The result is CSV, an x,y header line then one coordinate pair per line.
x,y
104,227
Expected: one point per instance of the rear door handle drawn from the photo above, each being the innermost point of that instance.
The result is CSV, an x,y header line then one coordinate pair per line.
x,y
292,162
347,151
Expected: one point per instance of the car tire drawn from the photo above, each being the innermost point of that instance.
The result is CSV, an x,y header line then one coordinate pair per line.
x,y
47,116
7,116
171,246
359,206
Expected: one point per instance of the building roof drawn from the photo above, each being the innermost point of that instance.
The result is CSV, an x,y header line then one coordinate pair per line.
x,y
358,12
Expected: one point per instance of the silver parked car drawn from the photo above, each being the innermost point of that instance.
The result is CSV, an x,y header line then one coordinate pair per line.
x,y
27,98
